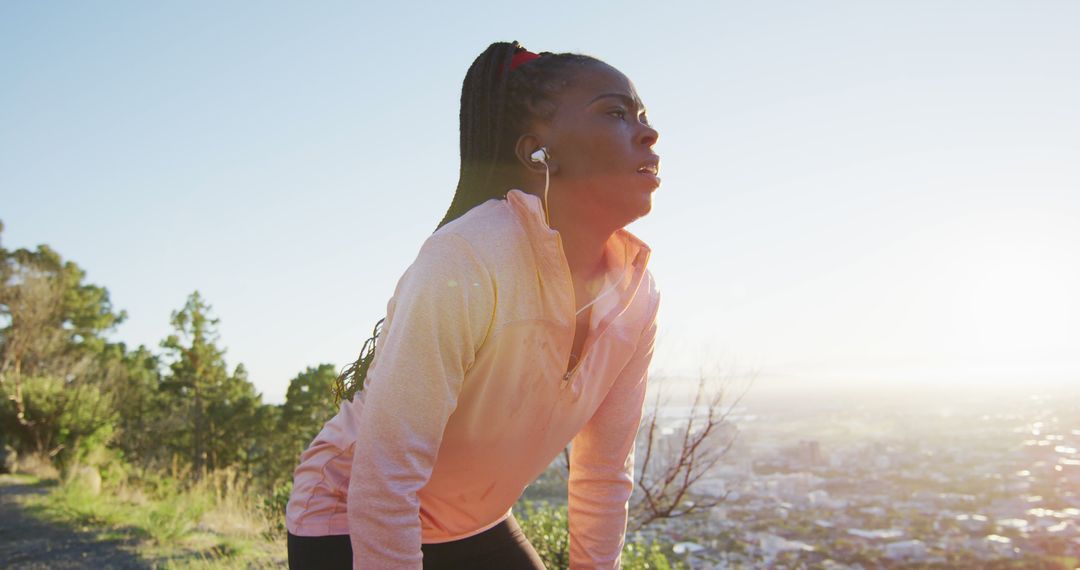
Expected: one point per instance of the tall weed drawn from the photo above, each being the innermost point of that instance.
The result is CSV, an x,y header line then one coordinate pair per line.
x,y
169,519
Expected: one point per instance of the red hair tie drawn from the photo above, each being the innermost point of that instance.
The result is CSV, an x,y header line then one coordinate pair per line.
x,y
522,57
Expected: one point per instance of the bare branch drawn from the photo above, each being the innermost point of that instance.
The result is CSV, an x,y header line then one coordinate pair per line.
x,y
672,463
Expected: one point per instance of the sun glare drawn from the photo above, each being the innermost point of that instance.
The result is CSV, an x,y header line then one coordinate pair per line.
x,y
1015,295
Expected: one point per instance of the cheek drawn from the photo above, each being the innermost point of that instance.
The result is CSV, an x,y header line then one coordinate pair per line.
x,y
607,154
593,149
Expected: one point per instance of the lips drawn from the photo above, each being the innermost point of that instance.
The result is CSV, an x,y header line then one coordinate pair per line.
x,y
651,168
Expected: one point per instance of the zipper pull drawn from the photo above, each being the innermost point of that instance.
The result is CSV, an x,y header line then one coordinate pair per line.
x,y
566,379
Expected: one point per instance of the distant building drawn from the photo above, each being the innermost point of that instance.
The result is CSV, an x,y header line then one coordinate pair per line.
x,y
876,535
1069,469
771,545
682,548
793,487
874,510
973,523
882,463
1014,524
995,546
909,550
1064,528
808,453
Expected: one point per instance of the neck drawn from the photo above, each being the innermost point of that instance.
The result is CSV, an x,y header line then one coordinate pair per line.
x,y
583,238
584,252
583,241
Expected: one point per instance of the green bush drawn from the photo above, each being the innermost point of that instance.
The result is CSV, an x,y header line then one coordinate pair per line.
x,y
77,504
642,556
173,517
273,508
547,528
73,422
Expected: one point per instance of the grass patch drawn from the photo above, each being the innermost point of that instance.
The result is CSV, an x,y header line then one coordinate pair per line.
x,y
20,479
172,518
77,506
213,524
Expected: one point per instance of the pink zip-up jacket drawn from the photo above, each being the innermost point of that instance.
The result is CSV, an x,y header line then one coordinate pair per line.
x,y
468,398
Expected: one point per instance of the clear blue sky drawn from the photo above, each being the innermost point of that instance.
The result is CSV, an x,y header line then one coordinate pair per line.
x,y
855,193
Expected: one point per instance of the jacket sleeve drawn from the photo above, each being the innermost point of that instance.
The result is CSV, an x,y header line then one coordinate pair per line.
x,y
602,463
439,316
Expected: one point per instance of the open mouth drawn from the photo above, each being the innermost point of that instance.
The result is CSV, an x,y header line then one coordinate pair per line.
x,y
651,169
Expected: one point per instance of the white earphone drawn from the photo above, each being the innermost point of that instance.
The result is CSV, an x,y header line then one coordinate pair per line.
x,y
539,155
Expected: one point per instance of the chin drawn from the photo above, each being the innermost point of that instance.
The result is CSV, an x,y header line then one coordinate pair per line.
x,y
646,206
636,214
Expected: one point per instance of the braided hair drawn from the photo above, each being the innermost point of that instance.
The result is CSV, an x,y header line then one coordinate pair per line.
x,y
497,106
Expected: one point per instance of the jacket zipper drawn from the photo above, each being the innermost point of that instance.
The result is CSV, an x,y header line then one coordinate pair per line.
x,y
566,377
585,353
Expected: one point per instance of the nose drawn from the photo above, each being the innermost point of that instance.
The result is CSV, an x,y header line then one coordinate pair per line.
x,y
648,135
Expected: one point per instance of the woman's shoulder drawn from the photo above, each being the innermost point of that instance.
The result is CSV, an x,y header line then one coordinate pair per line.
x,y
488,230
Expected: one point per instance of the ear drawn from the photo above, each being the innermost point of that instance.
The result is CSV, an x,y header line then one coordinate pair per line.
x,y
523,149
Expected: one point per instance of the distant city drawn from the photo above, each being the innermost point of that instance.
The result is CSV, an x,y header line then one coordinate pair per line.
x,y
927,480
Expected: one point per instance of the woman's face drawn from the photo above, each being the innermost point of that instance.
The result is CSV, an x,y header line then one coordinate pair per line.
x,y
600,142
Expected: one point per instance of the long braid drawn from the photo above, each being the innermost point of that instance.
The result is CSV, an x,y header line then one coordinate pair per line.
x,y
483,108
497,105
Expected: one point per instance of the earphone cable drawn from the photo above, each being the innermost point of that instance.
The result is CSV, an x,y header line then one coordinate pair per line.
x,y
547,182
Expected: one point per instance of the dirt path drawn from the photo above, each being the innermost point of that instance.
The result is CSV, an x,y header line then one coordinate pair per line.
x,y
26,542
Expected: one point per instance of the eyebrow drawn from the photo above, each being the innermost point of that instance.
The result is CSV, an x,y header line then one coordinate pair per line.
x,y
630,101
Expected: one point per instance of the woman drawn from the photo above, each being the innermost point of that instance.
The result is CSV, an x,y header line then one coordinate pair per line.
x,y
525,323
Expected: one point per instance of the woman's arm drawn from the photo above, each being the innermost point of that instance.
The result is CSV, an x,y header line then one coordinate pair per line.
x,y
602,463
439,316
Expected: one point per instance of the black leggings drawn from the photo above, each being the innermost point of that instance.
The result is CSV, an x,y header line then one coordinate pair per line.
x,y
502,547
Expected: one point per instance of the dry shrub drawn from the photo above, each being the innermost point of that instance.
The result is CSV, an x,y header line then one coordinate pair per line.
x,y
37,464
234,510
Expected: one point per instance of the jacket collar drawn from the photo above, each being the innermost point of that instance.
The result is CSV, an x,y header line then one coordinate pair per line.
x,y
623,245
626,255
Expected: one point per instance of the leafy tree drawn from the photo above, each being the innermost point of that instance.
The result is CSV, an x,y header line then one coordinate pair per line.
x,y
309,403
53,322
233,429
197,371
133,380
264,452
57,419
52,334
221,420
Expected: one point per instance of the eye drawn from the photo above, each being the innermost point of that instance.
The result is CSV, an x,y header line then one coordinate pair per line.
x,y
619,113
643,118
